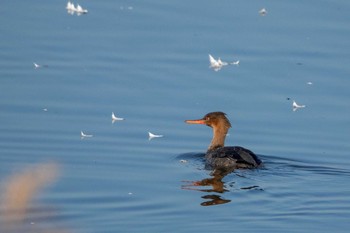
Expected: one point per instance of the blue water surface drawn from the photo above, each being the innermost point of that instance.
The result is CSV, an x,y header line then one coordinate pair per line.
x,y
147,61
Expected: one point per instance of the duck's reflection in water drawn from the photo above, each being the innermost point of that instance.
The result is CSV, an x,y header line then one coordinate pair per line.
x,y
215,185
214,200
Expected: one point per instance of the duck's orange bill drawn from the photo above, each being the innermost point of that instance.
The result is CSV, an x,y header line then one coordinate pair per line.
x,y
201,121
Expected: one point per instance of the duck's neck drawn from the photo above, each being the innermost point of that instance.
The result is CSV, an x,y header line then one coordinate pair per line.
x,y
219,135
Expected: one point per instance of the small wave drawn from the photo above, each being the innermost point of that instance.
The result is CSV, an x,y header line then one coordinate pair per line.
x,y
191,156
275,163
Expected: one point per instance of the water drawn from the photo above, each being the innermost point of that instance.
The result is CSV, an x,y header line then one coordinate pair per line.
x,y
148,62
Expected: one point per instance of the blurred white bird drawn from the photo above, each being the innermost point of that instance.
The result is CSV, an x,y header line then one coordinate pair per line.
x,y
36,66
297,106
83,135
70,6
263,12
79,10
216,64
235,63
151,136
115,118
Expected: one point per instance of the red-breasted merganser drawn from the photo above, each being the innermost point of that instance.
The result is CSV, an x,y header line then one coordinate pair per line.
x,y
219,156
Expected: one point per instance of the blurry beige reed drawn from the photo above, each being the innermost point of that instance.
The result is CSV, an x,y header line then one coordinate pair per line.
x,y
18,190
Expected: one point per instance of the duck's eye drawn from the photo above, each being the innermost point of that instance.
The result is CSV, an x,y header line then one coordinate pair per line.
x,y
207,119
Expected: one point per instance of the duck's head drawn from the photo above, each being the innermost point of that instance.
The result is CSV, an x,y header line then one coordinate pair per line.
x,y
213,120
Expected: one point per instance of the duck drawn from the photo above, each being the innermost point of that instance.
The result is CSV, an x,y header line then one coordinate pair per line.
x,y
219,156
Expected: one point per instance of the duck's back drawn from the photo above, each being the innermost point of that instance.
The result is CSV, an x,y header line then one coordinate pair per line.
x,y
232,157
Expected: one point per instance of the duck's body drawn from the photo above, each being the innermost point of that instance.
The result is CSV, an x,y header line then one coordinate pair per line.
x,y
219,156
231,157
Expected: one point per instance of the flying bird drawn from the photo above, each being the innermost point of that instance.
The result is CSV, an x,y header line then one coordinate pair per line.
x,y
297,106
83,135
263,12
115,118
72,9
36,66
151,136
216,64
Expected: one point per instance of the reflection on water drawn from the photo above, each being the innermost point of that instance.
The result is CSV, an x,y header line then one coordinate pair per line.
x,y
213,184
216,185
248,179
213,200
